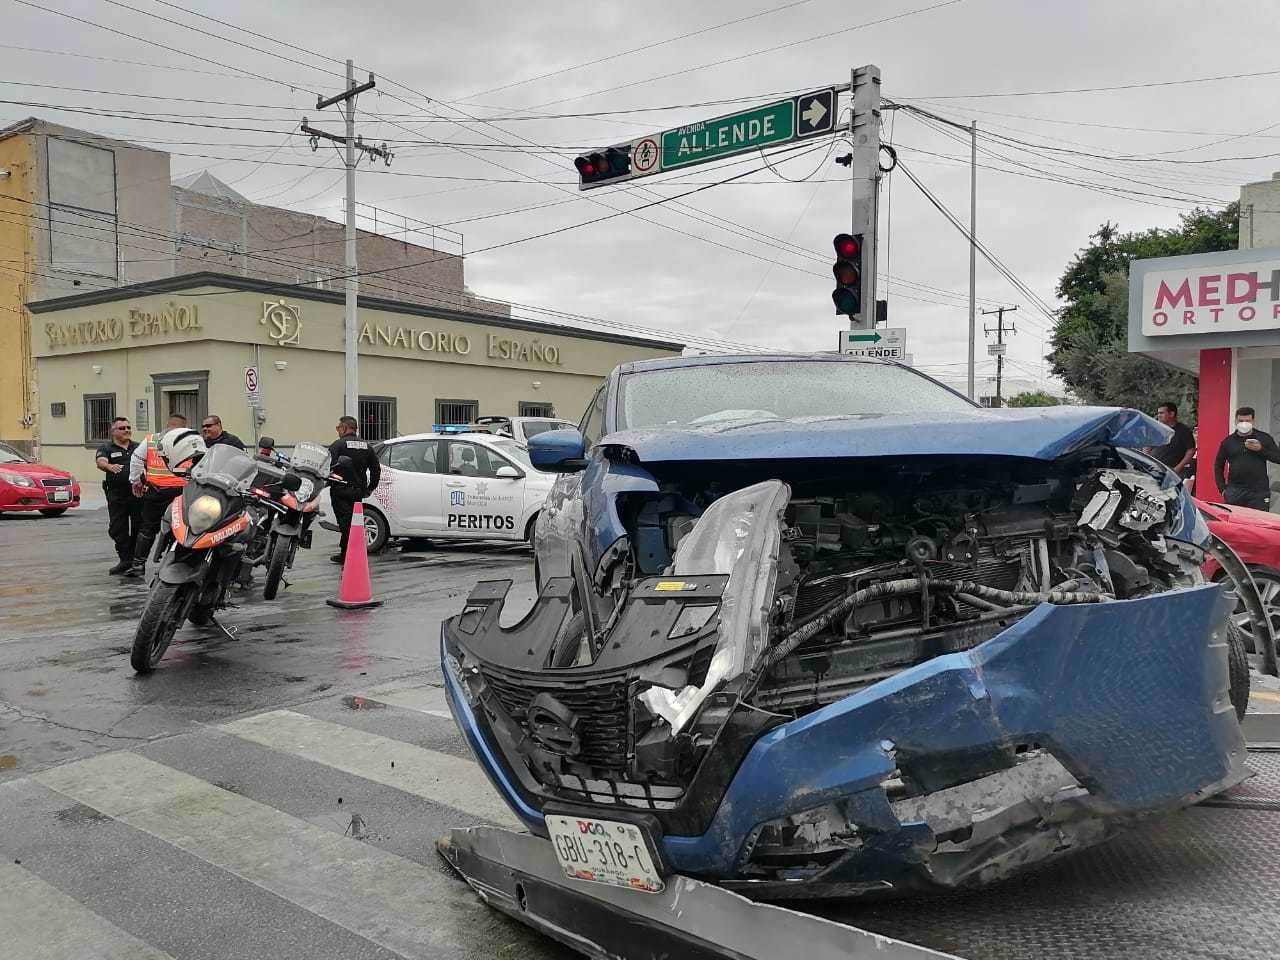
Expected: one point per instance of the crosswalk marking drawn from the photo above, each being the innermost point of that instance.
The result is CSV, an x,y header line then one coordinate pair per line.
x,y
426,699
390,901
434,776
40,922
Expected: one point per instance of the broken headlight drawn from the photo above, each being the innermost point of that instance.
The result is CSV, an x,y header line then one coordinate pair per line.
x,y
739,535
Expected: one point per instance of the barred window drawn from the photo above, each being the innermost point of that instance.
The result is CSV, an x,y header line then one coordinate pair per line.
x,y
99,409
529,408
457,411
377,418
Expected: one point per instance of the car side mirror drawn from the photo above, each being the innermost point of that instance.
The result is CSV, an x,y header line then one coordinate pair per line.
x,y
508,473
291,482
558,451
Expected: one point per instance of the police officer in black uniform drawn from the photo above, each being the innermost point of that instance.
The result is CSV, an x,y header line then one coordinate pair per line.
x,y
124,510
211,430
361,473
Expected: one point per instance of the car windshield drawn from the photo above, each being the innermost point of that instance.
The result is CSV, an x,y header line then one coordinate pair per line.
x,y
515,451
8,455
778,389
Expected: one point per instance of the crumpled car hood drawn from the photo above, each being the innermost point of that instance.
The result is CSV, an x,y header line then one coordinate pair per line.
x,y
1039,433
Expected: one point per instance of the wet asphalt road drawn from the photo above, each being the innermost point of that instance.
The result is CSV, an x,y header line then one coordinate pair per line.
x,y
272,794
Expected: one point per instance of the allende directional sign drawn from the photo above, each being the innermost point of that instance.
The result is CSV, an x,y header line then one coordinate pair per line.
x,y
795,118
888,343
725,136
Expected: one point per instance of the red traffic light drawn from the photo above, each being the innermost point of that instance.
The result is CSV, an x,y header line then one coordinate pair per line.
x,y
847,246
603,165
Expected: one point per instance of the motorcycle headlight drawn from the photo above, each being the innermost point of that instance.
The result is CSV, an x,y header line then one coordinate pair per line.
x,y
203,513
17,479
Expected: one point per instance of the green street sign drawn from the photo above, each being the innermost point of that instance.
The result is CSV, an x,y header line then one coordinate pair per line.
x,y
725,136
863,337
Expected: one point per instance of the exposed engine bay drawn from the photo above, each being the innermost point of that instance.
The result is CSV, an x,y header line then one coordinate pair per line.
x,y
829,578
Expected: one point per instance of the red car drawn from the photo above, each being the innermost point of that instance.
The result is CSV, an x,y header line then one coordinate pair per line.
x,y
25,485
1255,536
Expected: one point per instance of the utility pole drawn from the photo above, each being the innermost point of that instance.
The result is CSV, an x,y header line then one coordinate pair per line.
x,y
973,247
1000,347
864,132
354,145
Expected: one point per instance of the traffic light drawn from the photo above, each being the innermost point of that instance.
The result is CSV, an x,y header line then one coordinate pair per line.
x,y
847,269
602,166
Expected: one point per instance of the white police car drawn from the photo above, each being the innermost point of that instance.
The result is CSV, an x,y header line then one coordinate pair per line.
x,y
451,485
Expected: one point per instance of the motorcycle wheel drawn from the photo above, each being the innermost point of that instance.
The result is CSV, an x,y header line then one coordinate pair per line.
x,y
277,561
167,606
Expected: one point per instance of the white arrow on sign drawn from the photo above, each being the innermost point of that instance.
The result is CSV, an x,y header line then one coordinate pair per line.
x,y
814,113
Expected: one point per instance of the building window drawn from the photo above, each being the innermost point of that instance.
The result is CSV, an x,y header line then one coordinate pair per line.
x,y
457,411
99,409
529,408
377,418
185,392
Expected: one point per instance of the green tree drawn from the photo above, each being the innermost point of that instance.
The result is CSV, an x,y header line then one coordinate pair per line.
x,y
1090,340
1033,398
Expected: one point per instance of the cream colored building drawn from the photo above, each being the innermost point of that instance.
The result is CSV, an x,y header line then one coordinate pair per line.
x,y
184,343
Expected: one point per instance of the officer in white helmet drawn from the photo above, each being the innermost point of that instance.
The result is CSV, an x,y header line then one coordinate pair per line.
x,y
159,469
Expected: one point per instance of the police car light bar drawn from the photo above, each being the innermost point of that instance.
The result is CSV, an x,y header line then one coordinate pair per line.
x,y
451,428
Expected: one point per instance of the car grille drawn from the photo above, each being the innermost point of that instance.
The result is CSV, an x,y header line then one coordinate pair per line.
x,y
600,706
57,482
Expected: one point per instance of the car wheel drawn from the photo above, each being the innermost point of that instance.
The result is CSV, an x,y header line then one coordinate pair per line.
x,y
1238,670
1268,583
53,512
376,531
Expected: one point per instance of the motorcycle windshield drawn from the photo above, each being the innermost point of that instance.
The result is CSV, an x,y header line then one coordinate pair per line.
x,y
227,468
311,457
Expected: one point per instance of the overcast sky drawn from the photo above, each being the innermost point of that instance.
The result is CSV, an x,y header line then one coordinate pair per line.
x,y
637,273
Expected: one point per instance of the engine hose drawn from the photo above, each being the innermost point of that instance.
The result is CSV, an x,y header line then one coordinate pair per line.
x,y
913,585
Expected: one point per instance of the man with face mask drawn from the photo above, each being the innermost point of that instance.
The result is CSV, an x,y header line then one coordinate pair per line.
x,y
1244,455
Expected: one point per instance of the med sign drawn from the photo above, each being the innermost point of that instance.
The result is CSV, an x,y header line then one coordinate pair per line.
x,y
1211,299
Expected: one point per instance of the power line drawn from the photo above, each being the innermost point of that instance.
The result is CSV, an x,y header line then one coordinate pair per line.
x,y
1106,89
1000,267
157,43
640,49
755,53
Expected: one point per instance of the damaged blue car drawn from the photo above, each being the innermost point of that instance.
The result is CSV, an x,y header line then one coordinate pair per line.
x,y
814,626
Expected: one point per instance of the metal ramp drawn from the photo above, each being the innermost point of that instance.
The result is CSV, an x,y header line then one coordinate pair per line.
x,y
1195,885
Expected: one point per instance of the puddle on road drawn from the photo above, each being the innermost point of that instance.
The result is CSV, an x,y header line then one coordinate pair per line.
x,y
361,703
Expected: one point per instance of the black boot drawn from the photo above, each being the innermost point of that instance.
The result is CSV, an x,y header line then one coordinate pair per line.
x,y
137,570
124,564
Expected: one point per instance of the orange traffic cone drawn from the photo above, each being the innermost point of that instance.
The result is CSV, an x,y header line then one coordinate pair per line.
x,y
355,591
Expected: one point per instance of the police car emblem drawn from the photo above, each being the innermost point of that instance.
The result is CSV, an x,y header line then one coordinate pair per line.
x,y
457,498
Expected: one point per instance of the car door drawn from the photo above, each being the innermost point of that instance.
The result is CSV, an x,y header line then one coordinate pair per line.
x,y
477,502
413,491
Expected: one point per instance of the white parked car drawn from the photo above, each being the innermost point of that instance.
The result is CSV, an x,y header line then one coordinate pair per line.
x,y
521,429
451,486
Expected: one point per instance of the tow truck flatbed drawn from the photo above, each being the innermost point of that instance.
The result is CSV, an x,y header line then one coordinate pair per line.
x,y
1194,885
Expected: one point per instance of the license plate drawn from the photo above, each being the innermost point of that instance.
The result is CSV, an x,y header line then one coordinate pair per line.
x,y
59,496
604,851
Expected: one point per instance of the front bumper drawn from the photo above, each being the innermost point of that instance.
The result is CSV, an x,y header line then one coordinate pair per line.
x,y
13,497
1121,708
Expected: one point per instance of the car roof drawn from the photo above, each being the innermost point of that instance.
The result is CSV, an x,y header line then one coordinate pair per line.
x,y
478,435
713,360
